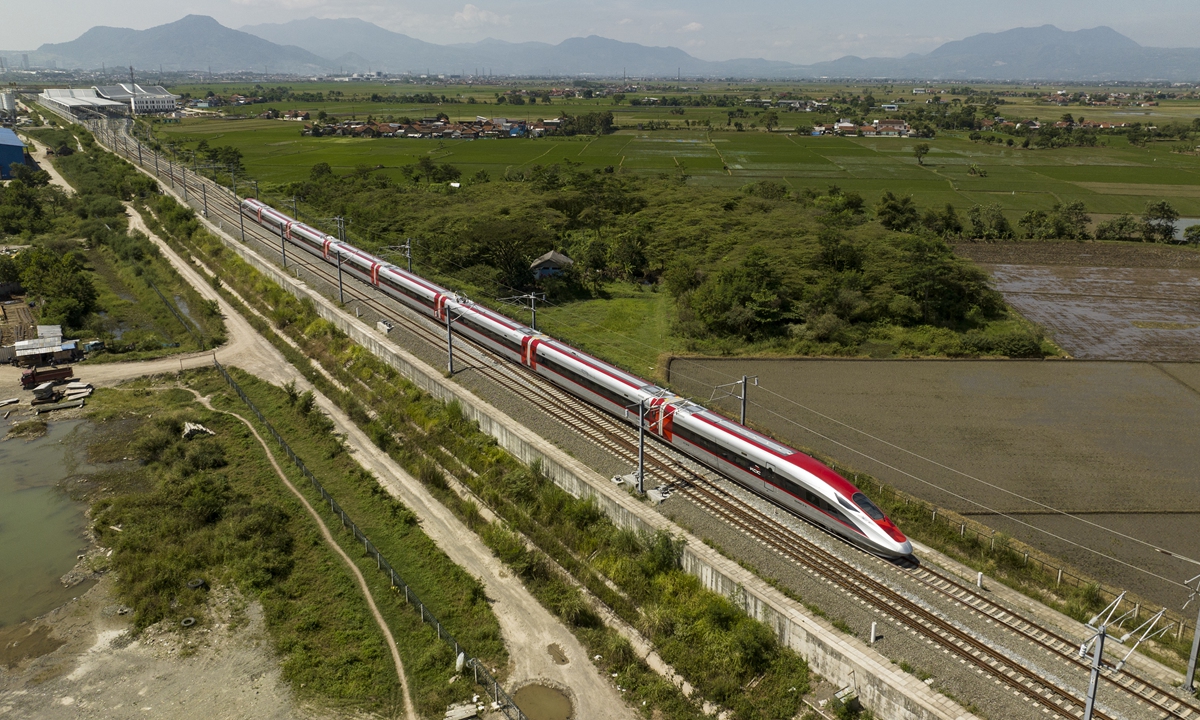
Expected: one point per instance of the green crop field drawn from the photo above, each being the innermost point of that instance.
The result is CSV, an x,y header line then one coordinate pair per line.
x,y
1113,178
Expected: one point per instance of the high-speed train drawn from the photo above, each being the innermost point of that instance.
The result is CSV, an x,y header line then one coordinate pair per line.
x,y
772,470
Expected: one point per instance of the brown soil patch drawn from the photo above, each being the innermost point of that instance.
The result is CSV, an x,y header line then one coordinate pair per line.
x,y
1111,441
1082,254
23,642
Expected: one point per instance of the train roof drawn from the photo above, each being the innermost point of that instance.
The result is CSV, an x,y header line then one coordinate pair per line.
x,y
805,462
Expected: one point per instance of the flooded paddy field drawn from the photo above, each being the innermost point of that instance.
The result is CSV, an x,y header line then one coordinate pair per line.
x,y
1111,442
1116,301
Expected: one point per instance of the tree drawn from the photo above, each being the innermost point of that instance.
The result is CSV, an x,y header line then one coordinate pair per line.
x,y
1122,227
1158,222
770,120
897,213
1191,234
988,223
320,170
920,150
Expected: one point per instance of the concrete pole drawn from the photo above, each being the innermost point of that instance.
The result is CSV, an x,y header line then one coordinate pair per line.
x,y
449,343
1189,684
744,379
641,469
204,192
282,242
341,297
1095,680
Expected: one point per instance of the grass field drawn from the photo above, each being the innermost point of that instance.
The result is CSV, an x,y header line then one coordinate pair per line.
x,y
1114,178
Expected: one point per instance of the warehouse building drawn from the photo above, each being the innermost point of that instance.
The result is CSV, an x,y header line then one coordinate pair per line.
x,y
12,150
154,99
80,102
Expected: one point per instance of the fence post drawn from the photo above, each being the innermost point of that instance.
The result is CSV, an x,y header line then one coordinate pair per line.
x,y
1059,581
962,530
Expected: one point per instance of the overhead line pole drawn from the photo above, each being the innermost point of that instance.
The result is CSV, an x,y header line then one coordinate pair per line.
x,y
1189,681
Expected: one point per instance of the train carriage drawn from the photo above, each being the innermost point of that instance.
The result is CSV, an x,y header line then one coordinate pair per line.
x,y
768,468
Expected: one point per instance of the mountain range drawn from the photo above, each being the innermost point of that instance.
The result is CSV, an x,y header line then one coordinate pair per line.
x,y
318,46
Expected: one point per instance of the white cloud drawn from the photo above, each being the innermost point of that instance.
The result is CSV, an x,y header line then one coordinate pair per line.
x,y
473,15
625,21
692,27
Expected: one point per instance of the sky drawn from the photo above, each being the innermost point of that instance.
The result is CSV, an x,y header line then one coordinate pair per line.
x,y
798,31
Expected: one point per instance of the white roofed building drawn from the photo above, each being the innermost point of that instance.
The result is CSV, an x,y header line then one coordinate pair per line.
x,y
76,101
142,100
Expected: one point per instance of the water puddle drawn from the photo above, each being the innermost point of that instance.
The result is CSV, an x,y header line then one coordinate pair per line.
x,y
540,702
41,529
556,654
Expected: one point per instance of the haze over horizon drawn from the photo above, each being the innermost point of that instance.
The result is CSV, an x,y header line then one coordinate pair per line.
x,y
800,32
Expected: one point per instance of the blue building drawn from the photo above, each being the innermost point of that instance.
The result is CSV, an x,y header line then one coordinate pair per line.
x,y
12,150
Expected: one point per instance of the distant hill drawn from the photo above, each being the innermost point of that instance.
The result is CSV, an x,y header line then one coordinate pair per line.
x,y
196,42
1041,53
593,55
350,45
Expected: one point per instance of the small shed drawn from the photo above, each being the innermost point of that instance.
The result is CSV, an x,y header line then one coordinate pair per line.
x,y
550,264
12,150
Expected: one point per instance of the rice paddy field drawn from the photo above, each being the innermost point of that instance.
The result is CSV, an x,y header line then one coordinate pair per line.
x,y
1114,178
1110,442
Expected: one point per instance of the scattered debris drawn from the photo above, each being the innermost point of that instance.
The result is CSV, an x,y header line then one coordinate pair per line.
x,y
191,430
9,401
59,406
462,711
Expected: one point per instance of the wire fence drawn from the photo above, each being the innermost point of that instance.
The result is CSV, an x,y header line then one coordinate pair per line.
x,y
502,701
1021,556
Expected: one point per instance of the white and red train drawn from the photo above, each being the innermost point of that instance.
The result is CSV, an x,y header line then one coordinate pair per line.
x,y
770,469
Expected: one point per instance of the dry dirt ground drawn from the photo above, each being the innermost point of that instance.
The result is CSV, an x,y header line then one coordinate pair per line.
x,y
1113,442
92,668
1111,301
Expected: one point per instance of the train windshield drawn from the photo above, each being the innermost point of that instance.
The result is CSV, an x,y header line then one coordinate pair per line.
x,y
867,506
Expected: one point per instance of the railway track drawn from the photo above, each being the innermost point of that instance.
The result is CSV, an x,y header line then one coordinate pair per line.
x,y
704,489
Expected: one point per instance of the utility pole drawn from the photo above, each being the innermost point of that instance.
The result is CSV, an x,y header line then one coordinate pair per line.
x,y
1099,627
532,298
341,223
295,208
1189,681
449,340
640,473
743,384
406,248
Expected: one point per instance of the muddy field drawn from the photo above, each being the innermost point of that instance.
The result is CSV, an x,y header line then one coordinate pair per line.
x,y
1102,300
1112,442
79,661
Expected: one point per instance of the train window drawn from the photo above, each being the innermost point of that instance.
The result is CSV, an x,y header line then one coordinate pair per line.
x,y
870,508
489,334
846,504
586,382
